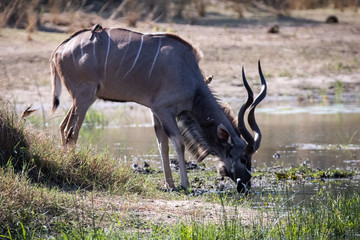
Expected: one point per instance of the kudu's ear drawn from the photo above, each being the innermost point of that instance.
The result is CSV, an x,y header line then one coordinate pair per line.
x,y
223,134
222,171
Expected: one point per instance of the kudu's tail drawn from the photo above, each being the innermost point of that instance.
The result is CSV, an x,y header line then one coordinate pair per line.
x,y
56,86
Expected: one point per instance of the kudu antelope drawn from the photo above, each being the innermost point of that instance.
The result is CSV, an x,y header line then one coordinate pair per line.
x,y
161,72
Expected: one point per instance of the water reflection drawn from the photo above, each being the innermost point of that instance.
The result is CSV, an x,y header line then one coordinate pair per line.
x,y
324,136
289,194
325,140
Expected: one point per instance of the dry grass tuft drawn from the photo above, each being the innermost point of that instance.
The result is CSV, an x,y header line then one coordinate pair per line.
x,y
81,168
44,161
13,144
20,13
38,178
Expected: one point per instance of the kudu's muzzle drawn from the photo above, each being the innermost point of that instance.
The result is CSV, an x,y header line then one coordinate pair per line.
x,y
242,187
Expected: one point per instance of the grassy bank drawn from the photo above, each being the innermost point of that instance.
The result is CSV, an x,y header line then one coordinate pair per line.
x,y
42,184
78,193
325,216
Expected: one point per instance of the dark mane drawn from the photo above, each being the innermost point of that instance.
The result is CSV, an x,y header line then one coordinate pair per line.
x,y
193,135
228,111
230,115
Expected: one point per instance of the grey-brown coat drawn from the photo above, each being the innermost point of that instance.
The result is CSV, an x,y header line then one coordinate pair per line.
x,y
161,72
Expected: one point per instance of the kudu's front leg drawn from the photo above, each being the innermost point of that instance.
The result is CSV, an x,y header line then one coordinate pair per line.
x,y
163,145
168,124
178,143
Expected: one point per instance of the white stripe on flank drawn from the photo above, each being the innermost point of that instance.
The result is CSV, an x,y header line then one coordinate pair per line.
x,y
81,47
94,49
156,55
72,52
107,53
122,59
137,56
127,48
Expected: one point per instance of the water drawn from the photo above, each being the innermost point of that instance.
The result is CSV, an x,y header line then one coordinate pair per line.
x,y
324,136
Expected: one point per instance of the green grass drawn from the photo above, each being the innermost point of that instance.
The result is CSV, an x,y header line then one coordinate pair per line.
x,y
343,68
324,216
47,191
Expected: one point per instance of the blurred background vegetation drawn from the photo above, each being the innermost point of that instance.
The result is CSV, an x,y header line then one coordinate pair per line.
x,y
40,14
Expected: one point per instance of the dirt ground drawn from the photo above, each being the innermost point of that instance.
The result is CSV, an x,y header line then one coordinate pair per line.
x,y
306,60
137,212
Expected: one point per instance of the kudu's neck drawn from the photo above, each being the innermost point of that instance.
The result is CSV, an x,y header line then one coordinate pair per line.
x,y
207,111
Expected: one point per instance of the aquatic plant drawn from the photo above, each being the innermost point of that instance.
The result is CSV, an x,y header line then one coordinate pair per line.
x,y
94,118
303,171
339,86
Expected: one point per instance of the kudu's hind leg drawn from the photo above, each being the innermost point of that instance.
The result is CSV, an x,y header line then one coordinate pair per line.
x,y
169,125
163,145
64,132
71,124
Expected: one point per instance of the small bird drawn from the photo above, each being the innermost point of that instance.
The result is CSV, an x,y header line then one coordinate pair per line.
x,y
28,111
274,29
276,155
209,79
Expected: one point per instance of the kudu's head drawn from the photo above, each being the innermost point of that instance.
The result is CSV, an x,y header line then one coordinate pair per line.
x,y
237,161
